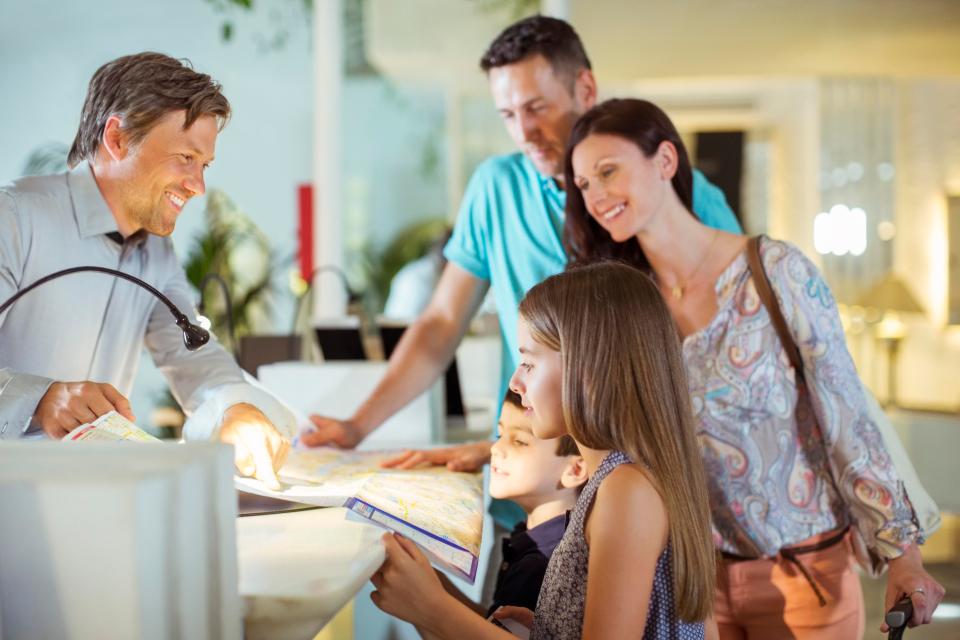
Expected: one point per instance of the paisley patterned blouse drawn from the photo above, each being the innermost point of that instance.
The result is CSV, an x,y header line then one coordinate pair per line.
x,y
783,466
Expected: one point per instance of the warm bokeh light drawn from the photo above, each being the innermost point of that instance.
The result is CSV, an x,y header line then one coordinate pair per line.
x,y
841,231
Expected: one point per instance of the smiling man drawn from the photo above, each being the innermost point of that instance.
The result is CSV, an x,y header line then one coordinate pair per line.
x,y
69,351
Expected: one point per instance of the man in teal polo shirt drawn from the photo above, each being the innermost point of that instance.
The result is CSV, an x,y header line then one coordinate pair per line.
x,y
508,232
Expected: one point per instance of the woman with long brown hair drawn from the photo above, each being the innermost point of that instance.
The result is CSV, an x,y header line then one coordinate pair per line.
x,y
793,458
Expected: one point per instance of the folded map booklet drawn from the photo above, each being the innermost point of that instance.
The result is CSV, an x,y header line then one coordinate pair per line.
x,y
439,509
110,427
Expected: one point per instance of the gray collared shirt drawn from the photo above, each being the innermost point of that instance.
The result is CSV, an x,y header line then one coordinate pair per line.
x,y
91,326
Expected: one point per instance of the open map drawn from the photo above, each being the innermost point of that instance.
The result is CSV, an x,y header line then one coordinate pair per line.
x,y
440,510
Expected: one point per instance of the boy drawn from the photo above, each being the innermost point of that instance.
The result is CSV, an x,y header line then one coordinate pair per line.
x,y
544,477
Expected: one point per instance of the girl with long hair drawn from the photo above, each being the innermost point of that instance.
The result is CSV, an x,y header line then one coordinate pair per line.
x,y
600,361
793,457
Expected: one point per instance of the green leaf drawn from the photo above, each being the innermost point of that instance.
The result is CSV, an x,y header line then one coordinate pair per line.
x,y
227,229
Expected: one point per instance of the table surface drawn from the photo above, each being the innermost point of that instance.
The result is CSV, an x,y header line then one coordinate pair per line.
x,y
252,504
298,568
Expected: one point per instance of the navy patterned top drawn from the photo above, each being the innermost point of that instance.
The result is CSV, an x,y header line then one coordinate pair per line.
x,y
563,597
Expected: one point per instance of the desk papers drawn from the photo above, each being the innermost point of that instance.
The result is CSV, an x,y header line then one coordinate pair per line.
x,y
110,427
440,510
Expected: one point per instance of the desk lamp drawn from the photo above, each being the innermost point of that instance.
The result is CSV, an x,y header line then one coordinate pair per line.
x,y
194,337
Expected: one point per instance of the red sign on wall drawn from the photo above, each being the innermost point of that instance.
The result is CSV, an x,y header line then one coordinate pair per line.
x,y
305,229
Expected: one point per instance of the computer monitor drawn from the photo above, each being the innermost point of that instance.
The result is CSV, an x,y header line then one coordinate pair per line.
x,y
258,350
390,334
340,339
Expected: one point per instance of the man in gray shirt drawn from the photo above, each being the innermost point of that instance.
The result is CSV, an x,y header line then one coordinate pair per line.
x,y
69,350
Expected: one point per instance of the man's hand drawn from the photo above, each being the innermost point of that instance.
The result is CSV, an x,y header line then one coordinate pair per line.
x,y
907,577
330,432
259,449
466,457
67,405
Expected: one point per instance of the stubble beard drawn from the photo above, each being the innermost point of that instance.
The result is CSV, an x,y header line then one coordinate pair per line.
x,y
150,217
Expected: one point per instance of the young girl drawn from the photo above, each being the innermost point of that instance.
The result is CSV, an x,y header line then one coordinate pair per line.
x,y
599,360
790,466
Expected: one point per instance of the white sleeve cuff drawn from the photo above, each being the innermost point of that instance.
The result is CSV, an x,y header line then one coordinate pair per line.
x,y
204,423
20,393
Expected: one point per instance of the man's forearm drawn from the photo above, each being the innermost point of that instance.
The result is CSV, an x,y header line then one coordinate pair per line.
x,y
203,423
421,357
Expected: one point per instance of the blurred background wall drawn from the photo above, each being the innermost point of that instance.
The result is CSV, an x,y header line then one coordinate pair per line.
x,y
822,104
834,124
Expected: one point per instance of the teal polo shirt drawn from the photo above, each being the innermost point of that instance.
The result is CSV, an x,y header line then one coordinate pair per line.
x,y
509,229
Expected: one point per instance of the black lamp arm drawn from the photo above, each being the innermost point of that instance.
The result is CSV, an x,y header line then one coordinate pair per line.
x,y
352,296
194,337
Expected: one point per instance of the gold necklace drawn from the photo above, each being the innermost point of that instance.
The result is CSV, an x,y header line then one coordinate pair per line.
x,y
677,289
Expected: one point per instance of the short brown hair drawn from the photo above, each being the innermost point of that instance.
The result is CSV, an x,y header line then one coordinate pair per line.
x,y
549,37
142,89
566,446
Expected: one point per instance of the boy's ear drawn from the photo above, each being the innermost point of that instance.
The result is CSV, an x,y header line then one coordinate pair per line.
x,y
575,473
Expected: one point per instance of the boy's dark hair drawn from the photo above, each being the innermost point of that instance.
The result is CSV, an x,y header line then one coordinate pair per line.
x,y
143,88
565,444
552,38
513,398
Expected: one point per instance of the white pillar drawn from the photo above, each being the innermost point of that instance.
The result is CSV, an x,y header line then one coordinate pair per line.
x,y
556,9
329,297
455,179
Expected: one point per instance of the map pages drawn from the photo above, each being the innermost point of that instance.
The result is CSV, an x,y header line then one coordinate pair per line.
x,y
110,427
439,509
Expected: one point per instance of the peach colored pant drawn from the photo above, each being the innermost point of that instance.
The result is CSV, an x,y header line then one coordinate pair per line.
x,y
771,599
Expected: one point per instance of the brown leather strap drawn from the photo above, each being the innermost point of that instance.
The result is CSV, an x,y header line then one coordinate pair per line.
x,y
826,543
797,549
790,556
769,300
